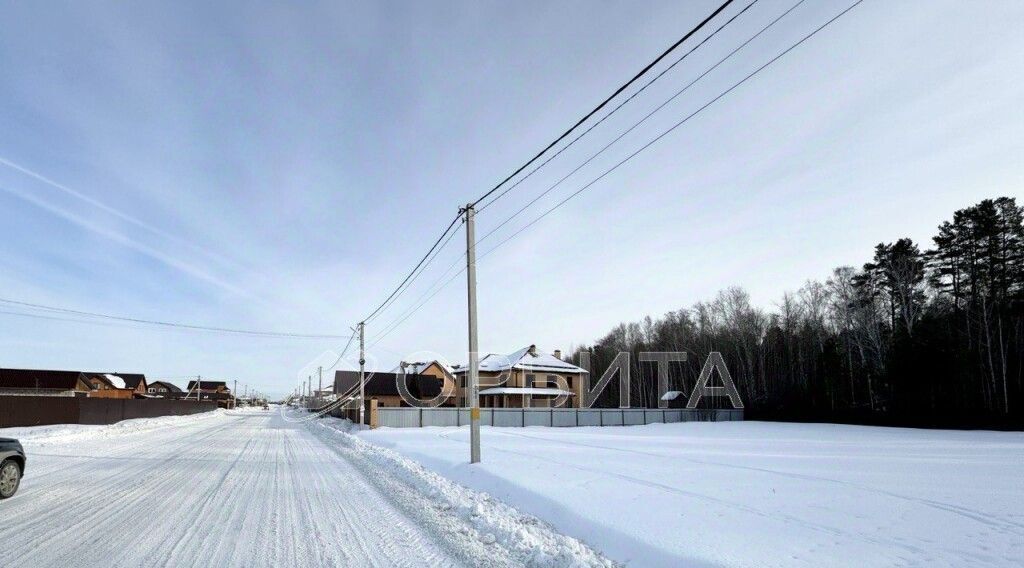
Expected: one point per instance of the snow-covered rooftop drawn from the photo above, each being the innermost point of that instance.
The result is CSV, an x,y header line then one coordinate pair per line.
x,y
115,380
671,395
417,367
527,359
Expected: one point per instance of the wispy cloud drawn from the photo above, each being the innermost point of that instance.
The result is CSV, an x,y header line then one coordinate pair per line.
x,y
149,227
127,241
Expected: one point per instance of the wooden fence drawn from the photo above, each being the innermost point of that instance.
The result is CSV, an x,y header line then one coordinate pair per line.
x,y
43,410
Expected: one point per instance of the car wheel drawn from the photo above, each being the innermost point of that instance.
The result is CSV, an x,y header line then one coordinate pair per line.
x,y
10,478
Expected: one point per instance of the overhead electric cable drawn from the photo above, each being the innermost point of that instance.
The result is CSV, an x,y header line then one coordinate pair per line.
x,y
413,271
598,108
619,106
171,324
673,127
624,133
642,148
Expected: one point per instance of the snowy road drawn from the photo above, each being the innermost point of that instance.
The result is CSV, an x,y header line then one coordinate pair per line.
x,y
218,490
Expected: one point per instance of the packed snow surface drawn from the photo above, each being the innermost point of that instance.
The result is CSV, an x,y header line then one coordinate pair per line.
x,y
751,493
253,488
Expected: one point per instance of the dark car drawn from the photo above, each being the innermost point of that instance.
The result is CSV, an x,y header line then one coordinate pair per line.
x,y
12,466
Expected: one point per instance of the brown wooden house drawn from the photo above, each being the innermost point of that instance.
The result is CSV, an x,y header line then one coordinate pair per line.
x,y
443,372
117,385
383,387
211,390
164,389
35,382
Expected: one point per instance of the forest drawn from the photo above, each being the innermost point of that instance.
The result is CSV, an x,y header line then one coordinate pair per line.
x,y
924,335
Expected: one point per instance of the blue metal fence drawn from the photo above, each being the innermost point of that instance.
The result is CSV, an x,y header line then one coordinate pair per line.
x,y
553,417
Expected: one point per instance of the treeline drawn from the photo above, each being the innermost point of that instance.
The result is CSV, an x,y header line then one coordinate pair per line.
x,y
930,337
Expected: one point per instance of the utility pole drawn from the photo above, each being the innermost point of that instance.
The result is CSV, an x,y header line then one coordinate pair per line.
x,y
473,376
199,386
320,389
362,374
234,395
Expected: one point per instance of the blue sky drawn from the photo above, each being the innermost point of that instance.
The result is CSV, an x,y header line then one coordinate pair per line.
x,y
279,167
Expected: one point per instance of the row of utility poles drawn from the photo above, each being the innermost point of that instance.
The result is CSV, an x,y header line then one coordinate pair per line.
x,y
306,392
472,379
234,392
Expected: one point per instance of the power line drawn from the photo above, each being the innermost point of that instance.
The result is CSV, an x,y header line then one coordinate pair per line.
x,y
618,107
409,282
650,114
605,117
673,127
415,306
169,324
607,100
638,151
415,268
420,302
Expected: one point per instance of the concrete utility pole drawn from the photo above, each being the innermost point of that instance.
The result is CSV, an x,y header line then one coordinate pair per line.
x,y
473,376
199,386
362,374
234,395
320,389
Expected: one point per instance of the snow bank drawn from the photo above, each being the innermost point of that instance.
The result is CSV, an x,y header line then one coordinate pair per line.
x,y
749,493
530,541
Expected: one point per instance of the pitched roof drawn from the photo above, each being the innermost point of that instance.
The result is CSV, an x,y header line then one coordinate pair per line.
x,y
40,379
417,367
526,359
386,384
169,386
207,384
131,380
115,381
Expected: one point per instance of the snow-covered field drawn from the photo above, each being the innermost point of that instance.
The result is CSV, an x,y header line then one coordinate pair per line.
x,y
255,488
752,493
252,488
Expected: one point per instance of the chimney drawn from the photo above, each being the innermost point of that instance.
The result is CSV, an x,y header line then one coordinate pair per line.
x,y
558,354
532,350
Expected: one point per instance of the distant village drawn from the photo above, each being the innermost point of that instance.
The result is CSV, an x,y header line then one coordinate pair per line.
x,y
34,397
526,378
533,379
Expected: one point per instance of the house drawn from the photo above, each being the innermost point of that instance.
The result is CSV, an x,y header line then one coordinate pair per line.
x,y
383,387
32,382
136,382
534,379
105,385
433,368
209,387
212,390
164,389
117,385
